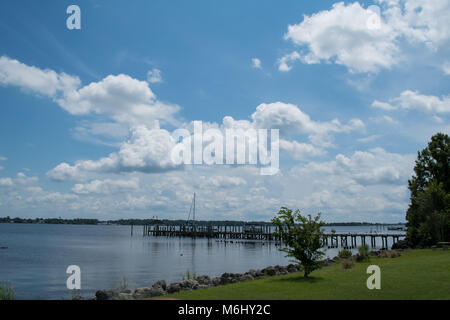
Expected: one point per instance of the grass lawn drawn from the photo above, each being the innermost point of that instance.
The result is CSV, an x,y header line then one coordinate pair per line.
x,y
417,274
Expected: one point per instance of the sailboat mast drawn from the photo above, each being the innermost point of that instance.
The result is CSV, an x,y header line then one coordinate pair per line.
x,y
193,217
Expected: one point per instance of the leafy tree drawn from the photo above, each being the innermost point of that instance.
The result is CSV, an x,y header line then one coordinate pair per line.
x,y
303,237
428,213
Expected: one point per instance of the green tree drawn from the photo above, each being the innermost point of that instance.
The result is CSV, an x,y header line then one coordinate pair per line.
x,y
303,237
428,212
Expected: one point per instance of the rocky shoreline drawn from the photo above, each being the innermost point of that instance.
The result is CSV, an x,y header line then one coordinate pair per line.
x,y
160,288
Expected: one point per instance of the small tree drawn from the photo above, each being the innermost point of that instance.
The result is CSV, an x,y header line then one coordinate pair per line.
x,y
303,237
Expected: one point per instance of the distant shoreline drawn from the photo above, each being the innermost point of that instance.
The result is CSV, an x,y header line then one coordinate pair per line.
x,y
141,222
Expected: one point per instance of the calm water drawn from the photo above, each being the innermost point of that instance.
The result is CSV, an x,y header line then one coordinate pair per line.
x,y
37,257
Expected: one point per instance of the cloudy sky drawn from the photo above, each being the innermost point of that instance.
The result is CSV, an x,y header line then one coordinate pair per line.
x,y
86,115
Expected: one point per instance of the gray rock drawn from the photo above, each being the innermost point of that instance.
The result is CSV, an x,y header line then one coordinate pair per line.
x,y
189,284
270,271
204,280
161,284
291,268
202,286
126,291
125,296
246,277
174,287
252,272
142,293
101,295
216,281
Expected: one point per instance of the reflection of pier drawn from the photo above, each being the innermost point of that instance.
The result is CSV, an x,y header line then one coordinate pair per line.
x,y
263,232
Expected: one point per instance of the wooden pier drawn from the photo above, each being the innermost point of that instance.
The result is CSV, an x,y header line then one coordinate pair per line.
x,y
265,233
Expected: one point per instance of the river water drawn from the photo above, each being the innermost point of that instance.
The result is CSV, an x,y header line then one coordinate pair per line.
x,y
37,257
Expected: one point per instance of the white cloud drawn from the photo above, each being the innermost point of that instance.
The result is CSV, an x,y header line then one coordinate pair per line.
x,y
154,76
290,119
300,151
346,34
119,97
288,58
107,186
147,150
256,63
3,158
383,105
122,98
341,35
429,104
45,82
369,138
6,182
414,100
222,182
375,166
446,68
385,119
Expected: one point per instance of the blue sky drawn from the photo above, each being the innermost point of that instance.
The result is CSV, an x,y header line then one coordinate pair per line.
x,y
387,87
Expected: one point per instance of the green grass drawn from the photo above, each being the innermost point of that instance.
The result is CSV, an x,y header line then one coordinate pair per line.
x,y
417,274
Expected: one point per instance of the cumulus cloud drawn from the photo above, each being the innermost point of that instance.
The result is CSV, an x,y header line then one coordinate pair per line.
x,y
6,182
154,76
119,97
256,63
382,105
3,158
147,150
414,100
375,166
222,182
45,82
283,62
107,186
290,119
299,150
341,35
122,98
364,40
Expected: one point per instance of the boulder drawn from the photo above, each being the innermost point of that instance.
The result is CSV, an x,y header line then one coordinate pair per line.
x,y
161,284
189,284
125,296
142,293
202,286
246,277
101,295
174,287
270,271
204,280
216,281
107,294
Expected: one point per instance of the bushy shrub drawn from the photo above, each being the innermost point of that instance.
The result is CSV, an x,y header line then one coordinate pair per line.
x,y
363,253
344,254
347,263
